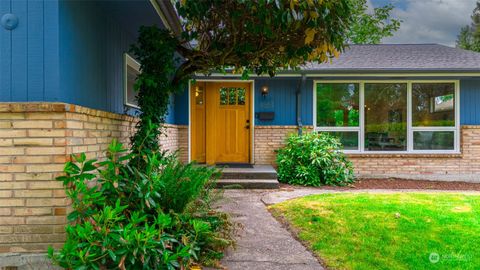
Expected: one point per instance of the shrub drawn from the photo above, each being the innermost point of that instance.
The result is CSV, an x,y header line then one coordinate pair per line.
x,y
313,159
158,217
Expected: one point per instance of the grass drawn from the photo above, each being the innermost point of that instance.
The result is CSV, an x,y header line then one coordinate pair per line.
x,y
388,231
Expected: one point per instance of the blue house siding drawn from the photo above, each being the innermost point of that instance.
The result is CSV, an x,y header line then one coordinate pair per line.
x,y
281,100
470,102
71,51
29,53
92,46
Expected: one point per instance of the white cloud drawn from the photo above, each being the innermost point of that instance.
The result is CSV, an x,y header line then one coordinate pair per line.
x,y
432,21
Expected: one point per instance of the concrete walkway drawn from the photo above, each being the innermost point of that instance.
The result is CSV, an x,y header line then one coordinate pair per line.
x,y
262,242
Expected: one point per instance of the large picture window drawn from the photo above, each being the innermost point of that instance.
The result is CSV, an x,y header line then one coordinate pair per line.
x,y
380,117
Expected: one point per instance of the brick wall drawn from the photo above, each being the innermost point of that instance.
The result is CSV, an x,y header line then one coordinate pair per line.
x,y
174,139
464,166
36,139
267,139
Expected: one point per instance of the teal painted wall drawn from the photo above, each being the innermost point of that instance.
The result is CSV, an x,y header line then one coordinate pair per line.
x,y
281,100
94,35
71,51
470,102
29,54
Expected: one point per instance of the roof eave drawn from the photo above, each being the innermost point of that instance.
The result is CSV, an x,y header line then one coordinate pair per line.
x,y
169,15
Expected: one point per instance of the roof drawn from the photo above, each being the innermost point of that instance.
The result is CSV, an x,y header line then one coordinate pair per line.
x,y
400,57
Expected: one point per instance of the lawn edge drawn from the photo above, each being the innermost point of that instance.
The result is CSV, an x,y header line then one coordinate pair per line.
x,y
294,233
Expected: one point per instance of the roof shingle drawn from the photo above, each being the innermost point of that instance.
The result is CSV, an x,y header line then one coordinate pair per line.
x,y
401,57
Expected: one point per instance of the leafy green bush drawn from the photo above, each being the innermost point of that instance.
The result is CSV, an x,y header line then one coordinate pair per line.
x,y
158,217
313,159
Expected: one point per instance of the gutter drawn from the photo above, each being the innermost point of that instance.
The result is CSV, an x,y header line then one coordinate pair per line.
x,y
298,93
168,15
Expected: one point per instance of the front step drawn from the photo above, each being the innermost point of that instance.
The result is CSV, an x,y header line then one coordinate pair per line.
x,y
258,177
257,172
248,183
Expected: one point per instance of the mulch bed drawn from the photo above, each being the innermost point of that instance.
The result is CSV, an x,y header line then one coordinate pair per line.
x,y
394,183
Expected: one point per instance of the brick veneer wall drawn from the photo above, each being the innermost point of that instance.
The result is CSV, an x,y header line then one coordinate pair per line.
x,y
36,139
464,166
176,139
268,139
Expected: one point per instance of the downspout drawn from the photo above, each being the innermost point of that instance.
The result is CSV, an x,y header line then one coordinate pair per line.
x,y
299,103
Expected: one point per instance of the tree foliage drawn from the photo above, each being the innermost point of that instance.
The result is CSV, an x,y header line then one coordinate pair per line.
x,y
247,36
371,27
469,36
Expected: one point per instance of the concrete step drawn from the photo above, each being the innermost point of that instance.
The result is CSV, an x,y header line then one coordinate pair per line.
x,y
248,183
257,172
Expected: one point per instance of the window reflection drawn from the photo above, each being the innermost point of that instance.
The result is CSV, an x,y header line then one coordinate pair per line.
x,y
385,117
232,96
433,104
337,105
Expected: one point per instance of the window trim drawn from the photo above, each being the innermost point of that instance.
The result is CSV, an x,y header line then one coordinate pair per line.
x,y
410,128
128,61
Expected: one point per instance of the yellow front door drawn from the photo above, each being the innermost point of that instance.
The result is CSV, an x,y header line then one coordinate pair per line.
x,y
227,123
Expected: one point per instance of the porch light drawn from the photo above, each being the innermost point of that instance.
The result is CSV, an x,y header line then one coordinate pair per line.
x,y
264,91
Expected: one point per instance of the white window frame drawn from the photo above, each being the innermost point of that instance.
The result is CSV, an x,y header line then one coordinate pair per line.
x,y
341,129
410,129
128,61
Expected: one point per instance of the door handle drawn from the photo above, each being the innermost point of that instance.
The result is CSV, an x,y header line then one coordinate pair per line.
x,y
247,126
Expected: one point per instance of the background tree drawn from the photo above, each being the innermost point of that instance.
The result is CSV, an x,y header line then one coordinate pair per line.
x,y
469,36
371,27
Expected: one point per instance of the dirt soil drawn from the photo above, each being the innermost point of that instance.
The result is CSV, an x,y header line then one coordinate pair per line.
x,y
394,183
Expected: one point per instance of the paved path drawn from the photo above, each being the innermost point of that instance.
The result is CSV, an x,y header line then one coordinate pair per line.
x,y
263,243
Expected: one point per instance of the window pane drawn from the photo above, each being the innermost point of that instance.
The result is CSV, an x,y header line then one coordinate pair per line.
x,y
385,117
223,96
131,93
348,139
433,104
232,96
241,96
337,104
433,140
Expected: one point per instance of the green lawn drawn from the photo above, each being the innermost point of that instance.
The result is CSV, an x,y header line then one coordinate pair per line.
x,y
388,231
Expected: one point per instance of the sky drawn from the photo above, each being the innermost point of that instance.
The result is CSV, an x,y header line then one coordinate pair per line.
x,y
428,21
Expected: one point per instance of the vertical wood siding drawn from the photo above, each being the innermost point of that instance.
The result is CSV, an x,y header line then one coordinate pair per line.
x,y
94,35
470,102
29,53
281,100
70,51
